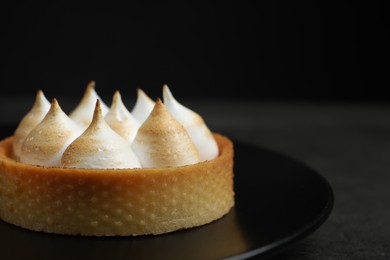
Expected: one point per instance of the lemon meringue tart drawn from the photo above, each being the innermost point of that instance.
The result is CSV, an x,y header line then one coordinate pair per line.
x,y
96,182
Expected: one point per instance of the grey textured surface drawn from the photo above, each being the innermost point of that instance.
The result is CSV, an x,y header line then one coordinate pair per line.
x,y
349,144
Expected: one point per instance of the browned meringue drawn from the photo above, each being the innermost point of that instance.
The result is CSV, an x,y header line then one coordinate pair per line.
x,y
161,141
99,147
83,112
45,144
30,120
121,120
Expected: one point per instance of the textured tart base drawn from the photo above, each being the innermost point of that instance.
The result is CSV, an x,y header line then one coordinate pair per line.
x,y
115,202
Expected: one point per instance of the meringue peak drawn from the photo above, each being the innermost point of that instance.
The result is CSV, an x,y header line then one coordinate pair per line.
x,y
121,120
38,111
171,102
143,106
194,124
99,147
45,144
162,141
83,112
117,106
97,116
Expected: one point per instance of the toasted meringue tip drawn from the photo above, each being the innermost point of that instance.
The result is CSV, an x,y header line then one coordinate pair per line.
x,y
54,102
98,109
159,107
54,107
142,93
97,113
40,96
165,86
116,97
117,102
90,88
39,92
91,85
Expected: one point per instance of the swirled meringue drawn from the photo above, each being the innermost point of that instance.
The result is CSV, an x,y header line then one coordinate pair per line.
x,y
161,141
83,112
45,144
121,120
143,106
99,147
29,121
194,124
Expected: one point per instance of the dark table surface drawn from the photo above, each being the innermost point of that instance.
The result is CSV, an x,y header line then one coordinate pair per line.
x,y
347,143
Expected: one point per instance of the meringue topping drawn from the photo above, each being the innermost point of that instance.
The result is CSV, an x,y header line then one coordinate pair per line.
x,y
99,147
45,144
120,119
194,124
30,120
161,141
83,113
143,106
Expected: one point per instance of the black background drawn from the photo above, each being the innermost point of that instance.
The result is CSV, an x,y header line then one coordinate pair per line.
x,y
312,50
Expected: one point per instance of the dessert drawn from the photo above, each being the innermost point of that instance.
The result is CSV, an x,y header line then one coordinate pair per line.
x,y
121,120
194,124
161,141
105,185
99,147
143,106
30,120
82,114
46,142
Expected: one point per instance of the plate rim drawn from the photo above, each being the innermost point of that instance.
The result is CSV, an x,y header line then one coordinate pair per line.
x,y
288,242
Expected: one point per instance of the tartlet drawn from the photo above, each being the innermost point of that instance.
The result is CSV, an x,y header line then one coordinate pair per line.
x,y
116,202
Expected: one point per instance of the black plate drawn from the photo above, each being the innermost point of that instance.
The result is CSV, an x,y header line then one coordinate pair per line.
x,y
278,202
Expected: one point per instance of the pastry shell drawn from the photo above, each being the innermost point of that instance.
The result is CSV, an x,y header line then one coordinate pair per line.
x,y
115,202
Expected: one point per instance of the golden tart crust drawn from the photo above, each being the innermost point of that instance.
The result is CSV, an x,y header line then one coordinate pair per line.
x,y
115,202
